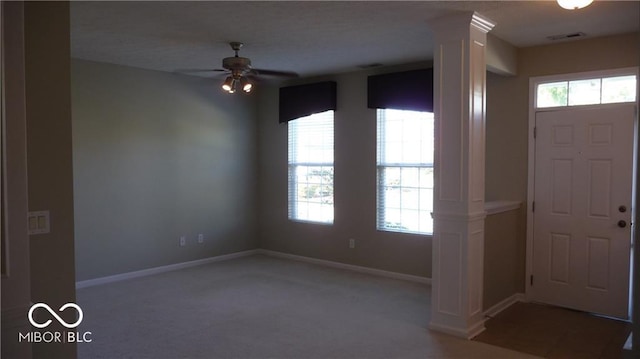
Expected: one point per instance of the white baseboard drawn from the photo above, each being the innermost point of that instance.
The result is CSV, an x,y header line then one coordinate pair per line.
x,y
162,269
472,332
469,333
360,269
494,310
627,349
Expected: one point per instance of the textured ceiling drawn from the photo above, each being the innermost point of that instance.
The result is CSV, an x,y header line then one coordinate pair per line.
x,y
312,37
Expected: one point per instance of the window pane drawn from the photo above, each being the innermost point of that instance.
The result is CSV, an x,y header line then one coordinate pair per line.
x,y
410,177
410,198
405,171
311,168
426,201
426,223
403,208
311,139
405,137
584,92
619,89
389,187
426,177
391,177
587,92
552,94
313,196
411,220
392,219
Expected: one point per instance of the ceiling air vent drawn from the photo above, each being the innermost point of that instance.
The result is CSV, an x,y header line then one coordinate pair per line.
x,y
574,35
370,66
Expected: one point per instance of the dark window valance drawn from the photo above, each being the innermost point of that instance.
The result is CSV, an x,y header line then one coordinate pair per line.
x,y
304,100
408,90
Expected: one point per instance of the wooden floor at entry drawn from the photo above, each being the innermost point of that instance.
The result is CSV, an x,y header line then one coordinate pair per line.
x,y
553,332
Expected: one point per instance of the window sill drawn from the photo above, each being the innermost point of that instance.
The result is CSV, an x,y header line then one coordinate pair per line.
x,y
311,222
389,230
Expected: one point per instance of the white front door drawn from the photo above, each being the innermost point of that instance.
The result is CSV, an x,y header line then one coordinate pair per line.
x,y
582,214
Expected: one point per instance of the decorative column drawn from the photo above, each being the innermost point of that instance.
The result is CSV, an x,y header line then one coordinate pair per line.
x,y
459,106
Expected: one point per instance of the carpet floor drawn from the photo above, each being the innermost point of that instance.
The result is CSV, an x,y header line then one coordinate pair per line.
x,y
264,307
554,333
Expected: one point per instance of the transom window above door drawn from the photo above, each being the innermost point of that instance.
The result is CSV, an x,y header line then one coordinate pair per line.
x,y
590,91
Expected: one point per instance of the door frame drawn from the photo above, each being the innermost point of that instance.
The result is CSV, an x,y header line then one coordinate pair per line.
x,y
533,82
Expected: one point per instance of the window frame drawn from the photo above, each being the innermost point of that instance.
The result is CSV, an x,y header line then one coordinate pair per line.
x,y
535,82
292,167
381,187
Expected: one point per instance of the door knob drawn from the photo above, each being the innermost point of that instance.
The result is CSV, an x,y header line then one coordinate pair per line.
x,y
622,209
622,223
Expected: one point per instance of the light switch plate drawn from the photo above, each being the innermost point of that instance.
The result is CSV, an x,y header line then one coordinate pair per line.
x,y
39,222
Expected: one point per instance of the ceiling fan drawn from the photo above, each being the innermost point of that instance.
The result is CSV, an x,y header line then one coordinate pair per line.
x,y
240,73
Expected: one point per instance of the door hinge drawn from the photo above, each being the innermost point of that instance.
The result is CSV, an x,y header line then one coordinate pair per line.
x,y
533,206
531,280
535,132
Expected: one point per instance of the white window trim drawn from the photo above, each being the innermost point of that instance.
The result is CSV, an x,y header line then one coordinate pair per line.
x,y
379,188
291,182
539,80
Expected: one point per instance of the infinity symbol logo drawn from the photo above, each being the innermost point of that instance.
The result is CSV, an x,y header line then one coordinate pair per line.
x,y
55,315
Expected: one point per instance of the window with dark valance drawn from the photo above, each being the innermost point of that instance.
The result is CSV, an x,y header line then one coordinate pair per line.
x,y
304,100
408,90
405,138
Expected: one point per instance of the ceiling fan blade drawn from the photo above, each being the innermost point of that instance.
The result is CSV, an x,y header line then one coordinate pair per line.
x,y
190,71
263,72
254,79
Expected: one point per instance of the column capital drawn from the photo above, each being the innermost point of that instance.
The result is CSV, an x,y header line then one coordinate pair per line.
x,y
461,20
482,23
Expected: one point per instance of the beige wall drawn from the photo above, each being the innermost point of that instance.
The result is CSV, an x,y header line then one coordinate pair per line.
x,y
355,191
51,177
157,156
508,116
508,102
502,272
506,171
49,159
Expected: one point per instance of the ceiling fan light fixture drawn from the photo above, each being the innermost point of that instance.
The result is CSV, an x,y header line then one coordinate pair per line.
x,y
234,84
229,84
246,85
574,4
238,67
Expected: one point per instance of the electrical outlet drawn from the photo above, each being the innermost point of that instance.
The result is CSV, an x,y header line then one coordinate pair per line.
x,y
200,238
352,243
183,241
